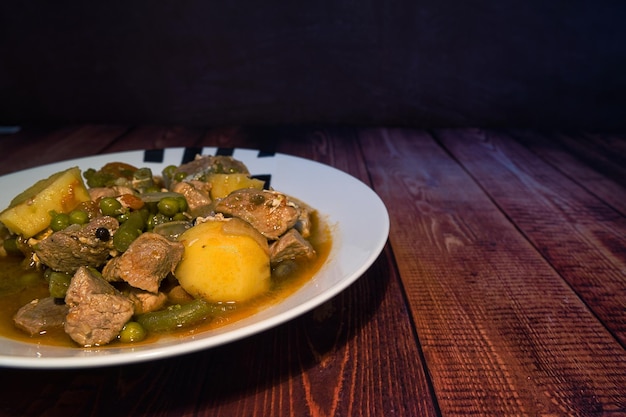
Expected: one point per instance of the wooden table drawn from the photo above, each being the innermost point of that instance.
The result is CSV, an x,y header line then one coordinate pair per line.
x,y
501,291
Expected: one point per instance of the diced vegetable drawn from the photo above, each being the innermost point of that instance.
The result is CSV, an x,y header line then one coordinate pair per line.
x,y
224,184
109,174
225,261
29,212
222,263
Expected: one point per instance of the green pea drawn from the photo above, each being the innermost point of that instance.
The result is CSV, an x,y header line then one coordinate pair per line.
x,y
132,332
59,221
79,217
109,206
169,171
179,176
168,206
179,217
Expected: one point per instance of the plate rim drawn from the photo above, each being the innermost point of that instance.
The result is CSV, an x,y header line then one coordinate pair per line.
x,y
128,355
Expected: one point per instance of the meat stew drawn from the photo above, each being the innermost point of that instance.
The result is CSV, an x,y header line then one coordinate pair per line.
x,y
140,262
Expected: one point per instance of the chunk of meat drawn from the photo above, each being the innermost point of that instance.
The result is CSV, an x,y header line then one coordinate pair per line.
x,y
197,195
146,262
269,212
291,246
305,222
97,311
76,246
203,165
41,315
177,295
145,301
303,225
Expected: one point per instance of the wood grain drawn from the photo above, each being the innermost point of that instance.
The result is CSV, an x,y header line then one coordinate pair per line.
x,y
350,356
501,290
596,163
502,333
28,149
582,237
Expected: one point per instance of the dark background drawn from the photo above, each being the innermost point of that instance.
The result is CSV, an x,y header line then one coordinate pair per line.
x,y
417,63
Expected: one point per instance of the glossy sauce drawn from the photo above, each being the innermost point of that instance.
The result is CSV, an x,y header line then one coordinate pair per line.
x,y
20,284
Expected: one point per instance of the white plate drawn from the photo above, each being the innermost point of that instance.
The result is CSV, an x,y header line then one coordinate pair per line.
x,y
360,227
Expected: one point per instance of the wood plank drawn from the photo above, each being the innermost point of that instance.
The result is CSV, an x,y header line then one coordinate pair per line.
x,y
596,162
335,360
29,149
398,360
156,137
312,365
583,238
501,332
613,143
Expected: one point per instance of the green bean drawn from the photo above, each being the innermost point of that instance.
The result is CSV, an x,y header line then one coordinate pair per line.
x,y
135,220
129,231
143,173
122,217
151,206
152,189
182,204
132,332
156,220
142,178
176,316
123,238
58,283
145,213
11,247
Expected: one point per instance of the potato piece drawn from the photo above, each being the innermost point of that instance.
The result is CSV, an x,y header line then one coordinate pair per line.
x,y
29,212
223,263
224,184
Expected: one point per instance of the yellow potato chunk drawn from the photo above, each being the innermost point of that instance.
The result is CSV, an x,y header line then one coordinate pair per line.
x,y
29,212
224,184
223,262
